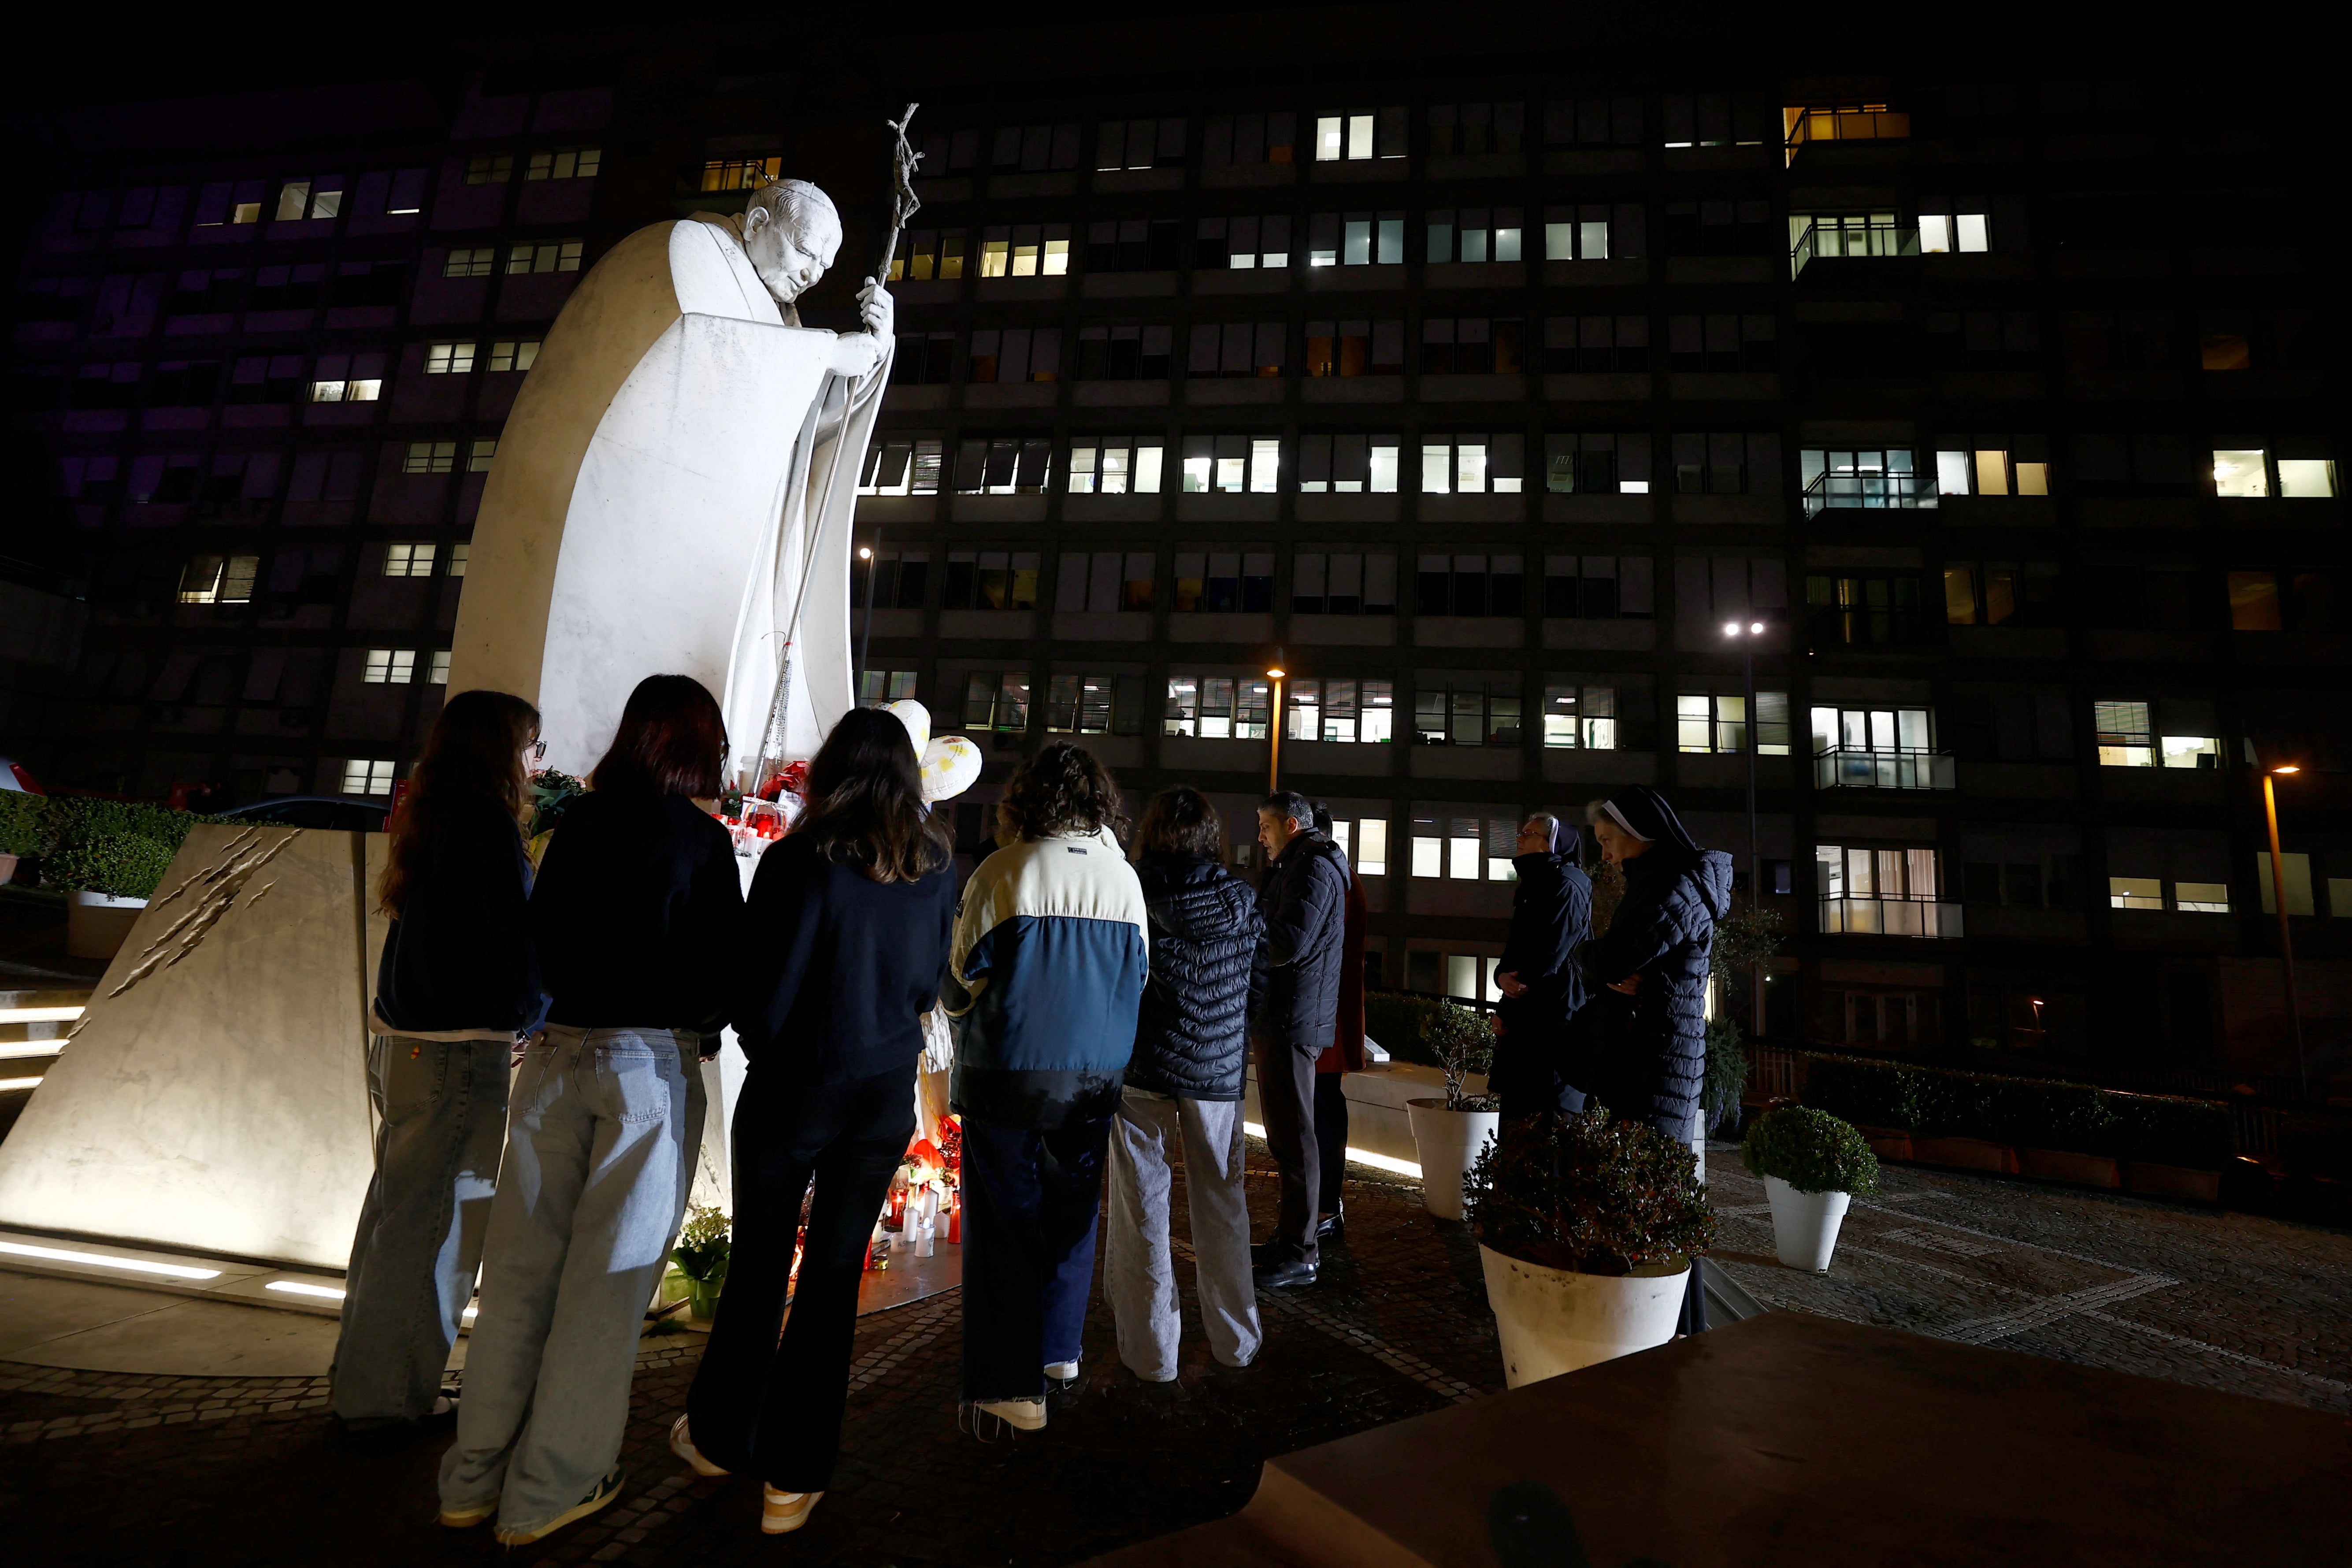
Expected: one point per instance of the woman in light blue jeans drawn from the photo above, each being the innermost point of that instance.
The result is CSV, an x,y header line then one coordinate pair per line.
x,y
636,916
456,984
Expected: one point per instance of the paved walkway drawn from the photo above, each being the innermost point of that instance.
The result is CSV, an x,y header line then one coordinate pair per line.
x,y
195,1472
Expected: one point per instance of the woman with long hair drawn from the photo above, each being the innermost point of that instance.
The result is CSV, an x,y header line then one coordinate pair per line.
x,y
638,916
456,985
847,936
1184,1087
1045,970
1647,1039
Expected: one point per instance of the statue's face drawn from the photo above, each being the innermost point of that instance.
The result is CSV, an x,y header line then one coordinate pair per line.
x,y
790,255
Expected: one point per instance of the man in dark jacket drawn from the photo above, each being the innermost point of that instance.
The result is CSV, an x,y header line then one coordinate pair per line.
x,y
1297,997
1551,912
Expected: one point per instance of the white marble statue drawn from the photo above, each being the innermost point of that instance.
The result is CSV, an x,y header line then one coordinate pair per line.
x,y
673,491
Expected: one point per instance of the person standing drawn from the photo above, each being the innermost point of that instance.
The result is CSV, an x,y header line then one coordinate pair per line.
x,y
1343,1055
1045,971
1191,1038
1295,1017
847,932
1551,913
1651,1061
456,982
638,915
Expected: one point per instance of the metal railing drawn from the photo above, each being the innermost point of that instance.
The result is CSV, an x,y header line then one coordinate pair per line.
x,y
1852,234
1928,918
1869,489
1847,768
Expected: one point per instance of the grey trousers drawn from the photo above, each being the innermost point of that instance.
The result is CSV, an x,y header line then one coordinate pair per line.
x,y
606,1128
441,1109
1139,1275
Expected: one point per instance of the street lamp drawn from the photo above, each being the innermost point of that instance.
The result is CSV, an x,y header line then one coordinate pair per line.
x,y
866,627
2278,899
1746,634
1275,673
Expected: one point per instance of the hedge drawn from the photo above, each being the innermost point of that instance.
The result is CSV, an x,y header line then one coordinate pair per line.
x,y
23,822
2033,1113
118,847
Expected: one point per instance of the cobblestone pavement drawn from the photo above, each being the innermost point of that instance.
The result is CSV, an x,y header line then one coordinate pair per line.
x,y
198,1472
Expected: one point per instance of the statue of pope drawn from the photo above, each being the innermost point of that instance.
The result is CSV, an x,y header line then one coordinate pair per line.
x,y
673,491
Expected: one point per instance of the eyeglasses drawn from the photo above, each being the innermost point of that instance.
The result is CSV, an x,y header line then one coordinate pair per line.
x,y
536,752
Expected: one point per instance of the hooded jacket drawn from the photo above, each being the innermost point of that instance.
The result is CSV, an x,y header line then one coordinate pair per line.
x,y
1304,902
1192,1034
1648,1057
1045,969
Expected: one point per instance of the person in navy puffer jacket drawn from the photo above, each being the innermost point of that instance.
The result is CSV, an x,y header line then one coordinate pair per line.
x,y
1045,971
1185,1084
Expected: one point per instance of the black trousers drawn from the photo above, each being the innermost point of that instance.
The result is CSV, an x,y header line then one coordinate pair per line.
x,y
1033,1205
776,1409
1331,1140
1286,1093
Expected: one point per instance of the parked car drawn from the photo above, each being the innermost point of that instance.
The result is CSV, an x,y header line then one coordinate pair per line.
x,y
316,811
16,776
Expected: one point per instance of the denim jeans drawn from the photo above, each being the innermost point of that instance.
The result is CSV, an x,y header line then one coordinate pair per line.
x,y
1031,1203
1139,1275
441,1109
756,1404
606,1128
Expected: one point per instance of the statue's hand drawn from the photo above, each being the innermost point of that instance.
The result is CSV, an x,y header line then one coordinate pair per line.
x,y
857,355
880,310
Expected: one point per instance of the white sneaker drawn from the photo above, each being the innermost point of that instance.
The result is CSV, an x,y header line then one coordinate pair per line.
x,y
1061,1371
1021,1415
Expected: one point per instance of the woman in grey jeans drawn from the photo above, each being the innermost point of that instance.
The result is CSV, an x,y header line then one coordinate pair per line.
x,y
456,985
638,916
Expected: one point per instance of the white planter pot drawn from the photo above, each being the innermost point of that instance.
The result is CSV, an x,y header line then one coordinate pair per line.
x,y
1553,1321
7,868
1805,1225
97,925
1447,1142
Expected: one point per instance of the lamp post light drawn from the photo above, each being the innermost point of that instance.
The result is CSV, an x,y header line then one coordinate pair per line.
x,y
866,627
1275,673
1745,634
2278,899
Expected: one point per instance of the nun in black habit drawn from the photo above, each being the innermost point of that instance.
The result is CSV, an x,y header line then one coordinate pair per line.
x,y
1542,986
1644,1044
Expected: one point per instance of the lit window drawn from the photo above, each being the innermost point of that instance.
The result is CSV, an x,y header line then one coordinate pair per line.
x,y
514,354
478,457
490,168
2125,734
364,777
1581,717
574,164
477,262
2243,474
439,672
1348,464
1355,239
1940,233
1465,848
1474,234
293,200
741,173
448,359
995,700
1232,464
2201,897
2189,750
389,666
554,256
1231,244
2306,478
1115,465
408,560
1989,471
430,457
1885,893
457,554
219,579
901,466
1719,722
2134,892
1363,134
1026,250
1217,707
1346,712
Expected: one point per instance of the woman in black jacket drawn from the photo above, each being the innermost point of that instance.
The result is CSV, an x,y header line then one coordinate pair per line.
x,y
1551,909
455,985
849,921
638,915
1192,1036
1649,1054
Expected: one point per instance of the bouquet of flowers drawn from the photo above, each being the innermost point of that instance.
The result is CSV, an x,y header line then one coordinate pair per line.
x,y
701,1254
551,792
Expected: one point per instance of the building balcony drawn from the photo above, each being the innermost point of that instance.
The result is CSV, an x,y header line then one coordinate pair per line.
x,y
1853,768
1868,487
1852,234
1809,125
1925,917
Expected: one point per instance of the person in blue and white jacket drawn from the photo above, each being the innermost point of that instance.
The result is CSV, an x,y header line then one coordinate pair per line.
x,y
1045,971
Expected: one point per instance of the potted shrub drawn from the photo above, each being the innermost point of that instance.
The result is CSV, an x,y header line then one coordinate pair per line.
x,y
2174,1148
1449,1133
701,1256
2063,1133
1586,1228
109,856
24,825
1880,1099
1813,1165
